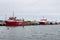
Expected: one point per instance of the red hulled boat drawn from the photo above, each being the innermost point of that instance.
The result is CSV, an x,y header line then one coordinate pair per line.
x,y
43,21
12,21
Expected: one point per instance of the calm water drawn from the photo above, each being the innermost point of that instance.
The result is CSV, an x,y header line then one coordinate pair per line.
x,y
39,32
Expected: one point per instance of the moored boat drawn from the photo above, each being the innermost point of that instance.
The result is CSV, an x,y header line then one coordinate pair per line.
x,y
2,22
12,21
43,21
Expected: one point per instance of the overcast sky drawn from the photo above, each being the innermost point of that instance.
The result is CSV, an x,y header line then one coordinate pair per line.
x,y
30,7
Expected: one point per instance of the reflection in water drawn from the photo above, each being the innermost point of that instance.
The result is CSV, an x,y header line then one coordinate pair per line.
x,y
47,32
7,28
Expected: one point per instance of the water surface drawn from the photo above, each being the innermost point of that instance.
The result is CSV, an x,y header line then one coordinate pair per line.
x,y
37,32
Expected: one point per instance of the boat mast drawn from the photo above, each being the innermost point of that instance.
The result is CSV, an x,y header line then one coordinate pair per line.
x,y
43,17
5,16
23,19
13,13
